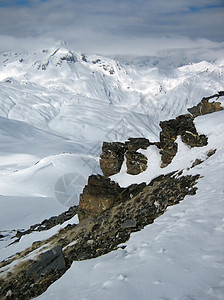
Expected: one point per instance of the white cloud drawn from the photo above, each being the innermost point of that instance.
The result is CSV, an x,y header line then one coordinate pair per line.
x,y
111,26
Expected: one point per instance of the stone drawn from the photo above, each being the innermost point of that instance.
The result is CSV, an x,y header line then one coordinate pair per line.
x,y
183,126
196,162
133,144
210,152
206,107
129,223
48,262
136,162
112,158
99,195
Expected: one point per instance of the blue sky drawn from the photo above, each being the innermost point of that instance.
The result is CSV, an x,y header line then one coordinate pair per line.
x,y
114,25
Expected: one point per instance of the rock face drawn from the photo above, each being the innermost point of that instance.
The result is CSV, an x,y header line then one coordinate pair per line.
x,y
183,126
206,107
100,194
112,156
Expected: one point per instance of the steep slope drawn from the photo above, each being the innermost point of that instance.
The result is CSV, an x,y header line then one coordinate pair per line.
x,y
56,108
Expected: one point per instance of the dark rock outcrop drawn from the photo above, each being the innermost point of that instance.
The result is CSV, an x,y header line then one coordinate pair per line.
x,y
183,126
206,107
136,162
99,195
112,156
133,144
49,261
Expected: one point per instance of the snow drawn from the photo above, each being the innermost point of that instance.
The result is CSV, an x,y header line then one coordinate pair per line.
x,y
55,112
179,256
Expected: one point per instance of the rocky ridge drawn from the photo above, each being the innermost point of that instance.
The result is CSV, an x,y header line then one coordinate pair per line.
x,y
108,213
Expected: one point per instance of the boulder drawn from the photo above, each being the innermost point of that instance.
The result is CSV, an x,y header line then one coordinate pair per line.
x,y
112,158
49,261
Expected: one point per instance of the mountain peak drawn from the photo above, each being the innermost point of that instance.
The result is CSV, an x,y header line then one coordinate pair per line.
x,y
61,43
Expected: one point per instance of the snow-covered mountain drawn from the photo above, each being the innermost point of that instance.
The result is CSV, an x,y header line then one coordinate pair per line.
x,y
57,106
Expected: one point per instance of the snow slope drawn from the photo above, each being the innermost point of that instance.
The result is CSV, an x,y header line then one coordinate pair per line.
x,y
56,108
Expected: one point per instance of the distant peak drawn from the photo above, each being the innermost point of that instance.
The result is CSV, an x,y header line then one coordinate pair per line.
x,y
61,43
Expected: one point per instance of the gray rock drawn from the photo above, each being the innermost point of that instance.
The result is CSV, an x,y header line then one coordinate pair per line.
x,y
49,261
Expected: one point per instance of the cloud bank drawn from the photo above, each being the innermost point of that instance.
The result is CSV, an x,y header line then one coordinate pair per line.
x,y
140,27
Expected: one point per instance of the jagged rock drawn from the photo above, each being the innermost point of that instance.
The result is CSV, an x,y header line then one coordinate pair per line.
x,y
183,126
99,195
196,162
112,158
134,144
136,162
114,213
205,107
49,261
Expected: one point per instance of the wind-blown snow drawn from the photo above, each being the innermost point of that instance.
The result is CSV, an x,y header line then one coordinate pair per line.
x,y
56,109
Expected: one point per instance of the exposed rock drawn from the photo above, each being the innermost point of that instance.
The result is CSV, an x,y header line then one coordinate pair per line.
x,y
69,57
196,162
206,107
134,144
112,158
210,152
49,261
136,162
99,195
83,57
183,126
